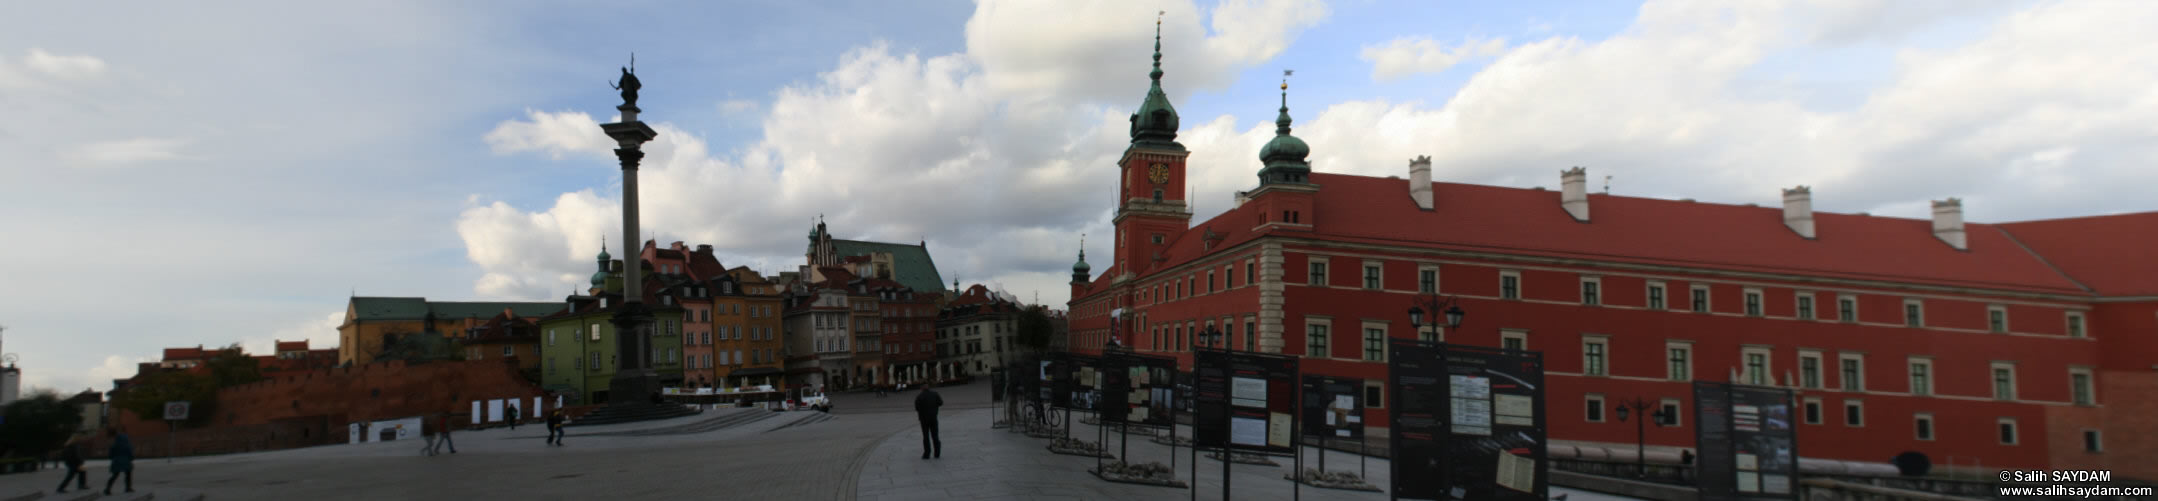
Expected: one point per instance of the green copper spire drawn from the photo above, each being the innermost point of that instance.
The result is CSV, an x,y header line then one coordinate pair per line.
x,y
1285,155
1080,270
1155,123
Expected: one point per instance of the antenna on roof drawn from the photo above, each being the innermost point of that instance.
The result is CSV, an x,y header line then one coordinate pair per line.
x,y
1607,184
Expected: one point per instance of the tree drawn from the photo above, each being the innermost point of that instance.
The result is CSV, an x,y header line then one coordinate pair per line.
x,y
231,366
1035,329
38,425
147,396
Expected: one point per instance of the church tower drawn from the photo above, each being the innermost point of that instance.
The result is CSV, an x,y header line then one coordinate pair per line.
x,y
1286,197
1151,208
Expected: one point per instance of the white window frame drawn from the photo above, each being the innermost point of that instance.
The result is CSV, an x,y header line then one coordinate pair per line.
x,y
1850,386
2015,431
2003,310
1806,305
1363,338
1678,411
1996,384
1849,403
1820,381
1708,298
1909,319
1374,271
1325,273
1933,429
1603,365
1915,362
1768,365
1516,276
1374,403
595,332
2094,441
1594,401
1433,269
1754,303
2076,325
1820,412
1680,345
1853,298
550,337
1648,294
1326,323
1521,334
2091,390
1587,281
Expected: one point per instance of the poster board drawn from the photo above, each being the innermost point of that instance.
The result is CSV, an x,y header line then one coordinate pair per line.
x,y
1245,402
1056,380
1333,407
996,384
1748,446
1472,415
1138,390
1082,375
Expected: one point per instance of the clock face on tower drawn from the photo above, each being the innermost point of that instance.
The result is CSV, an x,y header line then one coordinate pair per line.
x,y
1159,173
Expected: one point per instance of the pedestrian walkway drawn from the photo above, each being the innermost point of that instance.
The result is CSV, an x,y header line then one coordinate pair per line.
x,y
984,463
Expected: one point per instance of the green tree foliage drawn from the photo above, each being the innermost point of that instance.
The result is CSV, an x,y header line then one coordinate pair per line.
x,y
1035,329
147,396
233,367
39,424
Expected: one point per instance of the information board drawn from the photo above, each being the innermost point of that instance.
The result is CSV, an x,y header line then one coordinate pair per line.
x,y
1748,448
1472,415
1333,407
1245,401
1056,378
996,384
1137,389
1081,375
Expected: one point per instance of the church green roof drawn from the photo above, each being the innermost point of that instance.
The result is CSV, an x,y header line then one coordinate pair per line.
x,y
1155,123
911,263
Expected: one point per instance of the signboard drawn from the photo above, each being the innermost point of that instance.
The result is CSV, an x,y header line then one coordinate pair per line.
x,y
1082,374
1749,450
1333,407
996,384
1137,389
1245,401
1474,416
1056,380
176,411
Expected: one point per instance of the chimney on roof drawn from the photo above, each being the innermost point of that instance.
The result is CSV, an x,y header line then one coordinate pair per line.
x,y
1574,192
1798,210
704,248
1948,223
1420,181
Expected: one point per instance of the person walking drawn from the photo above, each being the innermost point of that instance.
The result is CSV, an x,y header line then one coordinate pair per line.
x,y
554,427
122,456
71,456
925,408
513,418
443,439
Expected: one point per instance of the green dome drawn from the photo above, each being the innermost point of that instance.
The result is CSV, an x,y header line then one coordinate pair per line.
x,y
1284,157
1284,147
599,279
1155,123
1081,266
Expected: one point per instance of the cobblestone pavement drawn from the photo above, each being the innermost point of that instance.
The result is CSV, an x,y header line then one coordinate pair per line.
x,y
723,453
984,463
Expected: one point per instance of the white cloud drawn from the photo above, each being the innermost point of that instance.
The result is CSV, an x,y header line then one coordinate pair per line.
x,y
1094,51
126,151
732,107
66,67
552,133
1411,55
114,367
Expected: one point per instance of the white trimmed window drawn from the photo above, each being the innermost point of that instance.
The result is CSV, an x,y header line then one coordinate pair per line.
x,y
2008,431
1813,410
1924,425
2091,442
1318,272
1594,403
2080,390
1854,413
1753,302
1590,291
550,337
1315,333
1374,341
1595,355
1997,319
1847,309
1805,306
2075,324
1678,356
1374,394
1374,275
1671,415
1757,370
1914,313
2004,380
1427,279
1509,284
1514,339
1655,295
1809,369
1853,366
1921,376
1700,299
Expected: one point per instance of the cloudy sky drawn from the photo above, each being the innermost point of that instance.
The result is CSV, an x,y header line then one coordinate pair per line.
x,y
213,173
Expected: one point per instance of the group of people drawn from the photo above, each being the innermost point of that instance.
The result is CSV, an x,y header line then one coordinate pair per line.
x,y
121,453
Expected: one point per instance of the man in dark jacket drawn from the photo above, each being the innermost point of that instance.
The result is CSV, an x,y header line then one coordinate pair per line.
x,y
925,408
122,456
71,455
554,427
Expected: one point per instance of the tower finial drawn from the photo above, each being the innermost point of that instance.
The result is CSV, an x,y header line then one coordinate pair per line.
x,y
1156,75
1281,123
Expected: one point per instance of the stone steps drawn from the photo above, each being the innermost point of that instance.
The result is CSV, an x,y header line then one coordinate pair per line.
x,y
642,411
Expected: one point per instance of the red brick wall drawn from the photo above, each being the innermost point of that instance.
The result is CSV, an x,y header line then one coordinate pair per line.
x,y
336,397
2129,436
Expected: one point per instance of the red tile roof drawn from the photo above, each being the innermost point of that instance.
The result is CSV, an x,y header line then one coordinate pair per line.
x,y
1636,230
2109,254
704,266
285,346
195,353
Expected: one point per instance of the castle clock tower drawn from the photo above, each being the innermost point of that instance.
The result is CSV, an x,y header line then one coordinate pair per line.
x,y
1151,210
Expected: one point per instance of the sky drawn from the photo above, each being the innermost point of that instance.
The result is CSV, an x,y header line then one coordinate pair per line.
x,y
218,172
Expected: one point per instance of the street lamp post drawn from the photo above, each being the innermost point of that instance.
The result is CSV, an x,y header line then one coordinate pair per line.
x,y
1640,407
1446,305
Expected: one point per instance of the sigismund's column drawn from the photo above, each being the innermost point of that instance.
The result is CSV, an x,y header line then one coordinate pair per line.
x,y
634,380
